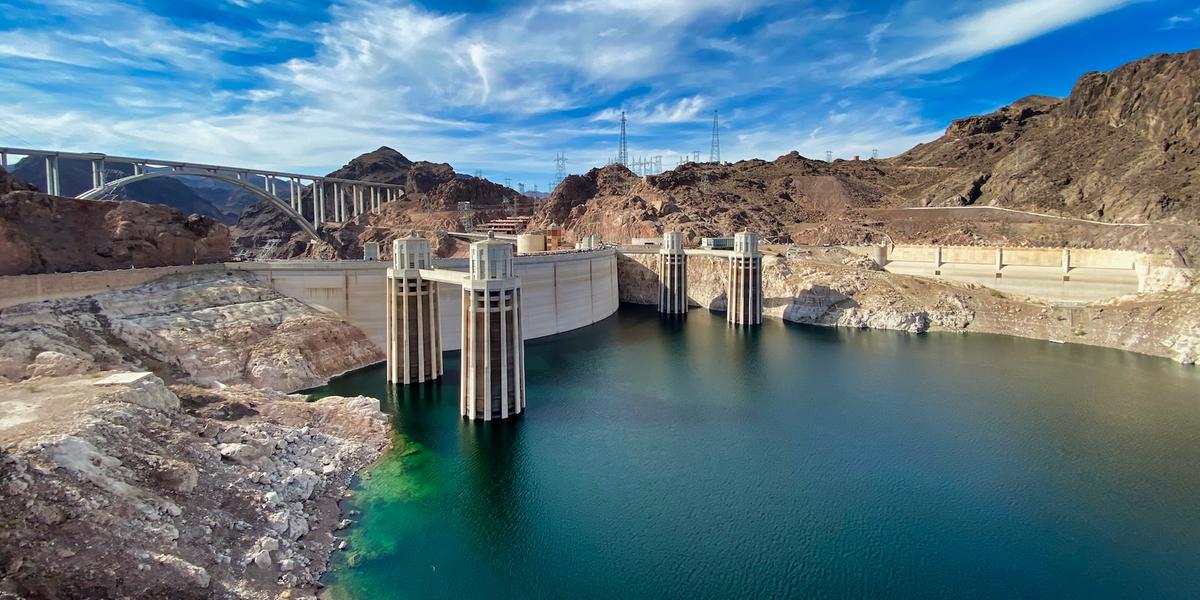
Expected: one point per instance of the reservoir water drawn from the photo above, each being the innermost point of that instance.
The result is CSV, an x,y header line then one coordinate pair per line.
x,y
685,459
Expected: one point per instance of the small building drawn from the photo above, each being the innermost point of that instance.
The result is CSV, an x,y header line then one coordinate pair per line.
x,y
716,243
371,251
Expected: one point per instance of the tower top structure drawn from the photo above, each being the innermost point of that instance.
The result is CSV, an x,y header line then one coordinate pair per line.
x,y
491,259
745,243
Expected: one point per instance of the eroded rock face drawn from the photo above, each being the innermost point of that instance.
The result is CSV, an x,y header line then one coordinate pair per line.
x,y
201,328
106,495
49,234
10,183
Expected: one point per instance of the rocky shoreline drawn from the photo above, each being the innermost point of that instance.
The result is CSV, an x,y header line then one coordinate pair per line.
x,y
148,447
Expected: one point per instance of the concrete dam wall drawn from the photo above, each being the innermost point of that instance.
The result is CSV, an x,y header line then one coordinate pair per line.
x,y
559,291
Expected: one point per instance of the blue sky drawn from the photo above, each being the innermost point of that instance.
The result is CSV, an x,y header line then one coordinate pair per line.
x,y
502,87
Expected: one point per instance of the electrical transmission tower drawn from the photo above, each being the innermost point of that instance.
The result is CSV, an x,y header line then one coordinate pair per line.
x,y
829,156
643,166
508,182
560,169
875,153
622,150
714,153
479,173
521,188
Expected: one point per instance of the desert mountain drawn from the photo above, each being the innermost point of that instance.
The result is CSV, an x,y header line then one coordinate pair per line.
x,y
1124,147
433,192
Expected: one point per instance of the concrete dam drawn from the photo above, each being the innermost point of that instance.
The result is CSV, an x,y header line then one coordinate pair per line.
x,y
561,291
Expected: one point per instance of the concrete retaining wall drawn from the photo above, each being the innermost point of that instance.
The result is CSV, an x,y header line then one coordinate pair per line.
x,y
19,289
559,292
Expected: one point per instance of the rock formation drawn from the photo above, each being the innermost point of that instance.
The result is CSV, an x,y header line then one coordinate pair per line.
x,y
48,234
184,481
113,485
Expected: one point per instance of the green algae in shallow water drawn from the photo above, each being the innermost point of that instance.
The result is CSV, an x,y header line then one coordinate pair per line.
x,y
687,459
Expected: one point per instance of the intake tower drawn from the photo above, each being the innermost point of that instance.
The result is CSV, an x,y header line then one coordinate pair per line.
x,y
745,281
414,340
493,349
672,283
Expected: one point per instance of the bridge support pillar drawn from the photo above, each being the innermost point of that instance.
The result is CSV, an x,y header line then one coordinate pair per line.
x,y
493,350
338,207
672,270
744,293
414,340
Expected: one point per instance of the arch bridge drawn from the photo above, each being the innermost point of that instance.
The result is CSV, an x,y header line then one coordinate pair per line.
x,y
330,199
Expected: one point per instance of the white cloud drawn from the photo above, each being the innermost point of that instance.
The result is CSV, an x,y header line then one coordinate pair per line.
x,y
1187,20
975,34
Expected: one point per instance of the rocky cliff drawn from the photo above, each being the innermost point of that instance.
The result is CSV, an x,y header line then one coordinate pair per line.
x,y
48,234
836,288
113,485
146,452
1122,148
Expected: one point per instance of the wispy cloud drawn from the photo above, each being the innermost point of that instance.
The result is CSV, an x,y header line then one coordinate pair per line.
x,y
1187,20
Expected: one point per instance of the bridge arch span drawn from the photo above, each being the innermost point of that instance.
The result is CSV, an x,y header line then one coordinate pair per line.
x,y
308,228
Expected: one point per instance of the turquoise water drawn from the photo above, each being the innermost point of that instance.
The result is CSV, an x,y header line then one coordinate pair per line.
x,y
668,459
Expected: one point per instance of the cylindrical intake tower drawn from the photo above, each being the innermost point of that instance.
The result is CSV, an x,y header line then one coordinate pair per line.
x,y
745,281
672,275
493,349
414,340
